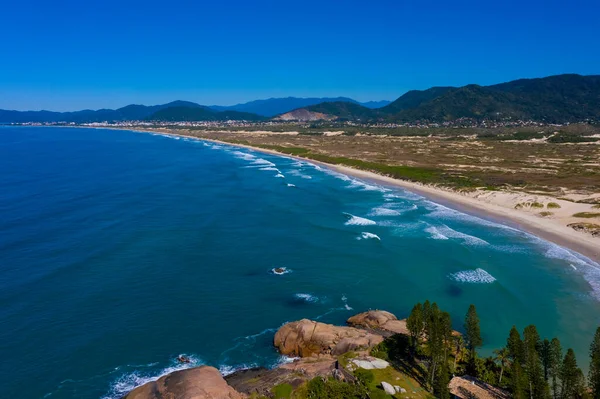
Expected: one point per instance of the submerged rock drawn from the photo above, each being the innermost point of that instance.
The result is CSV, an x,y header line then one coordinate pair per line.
x,y
196,383
306,338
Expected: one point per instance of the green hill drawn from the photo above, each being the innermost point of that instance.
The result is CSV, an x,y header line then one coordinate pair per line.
x,y
345,110
554,99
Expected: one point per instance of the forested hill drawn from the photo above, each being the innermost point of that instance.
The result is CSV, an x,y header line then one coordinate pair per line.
x,y
554,99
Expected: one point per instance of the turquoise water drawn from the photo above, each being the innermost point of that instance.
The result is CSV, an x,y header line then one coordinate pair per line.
x,y
121,250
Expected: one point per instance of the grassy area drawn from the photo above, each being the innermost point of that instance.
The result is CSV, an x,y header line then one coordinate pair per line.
x,y
282,391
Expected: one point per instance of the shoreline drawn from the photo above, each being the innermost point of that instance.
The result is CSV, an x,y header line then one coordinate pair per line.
x,y
547,229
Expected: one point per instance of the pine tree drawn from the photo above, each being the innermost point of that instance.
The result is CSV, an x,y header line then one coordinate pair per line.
x,y
570,376
515,345
472,330
556,357
442,379
545,355
532,346
415,324
594,373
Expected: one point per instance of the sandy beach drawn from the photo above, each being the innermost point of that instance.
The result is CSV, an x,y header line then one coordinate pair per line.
x,y
497,206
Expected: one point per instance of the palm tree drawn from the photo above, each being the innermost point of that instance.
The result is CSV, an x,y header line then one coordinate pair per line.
x,y
460,347
501,357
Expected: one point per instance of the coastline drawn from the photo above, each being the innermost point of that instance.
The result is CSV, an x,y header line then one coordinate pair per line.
x,y
548,229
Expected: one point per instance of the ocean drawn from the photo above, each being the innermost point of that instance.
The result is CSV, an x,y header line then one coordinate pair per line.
x,y
120,250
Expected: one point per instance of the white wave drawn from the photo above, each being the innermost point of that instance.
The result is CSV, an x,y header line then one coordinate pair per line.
x,y
225,369
291,185
298,173
368,236
270,168
358,221
307,297
285,360
127,382
345,300
441,212
280,175
264,162
383,211
243,155
435,234
442,231
477,276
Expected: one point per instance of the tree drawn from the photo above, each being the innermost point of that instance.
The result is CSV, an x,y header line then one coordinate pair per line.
x,y
415,324
570,376
555,366
459,341
532,346
501,358
545,355
515,345
440,387
472,331
594,373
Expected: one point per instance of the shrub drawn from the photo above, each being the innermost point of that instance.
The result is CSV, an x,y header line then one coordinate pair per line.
x,y
552,205
545,213
586,215
597,206
536,204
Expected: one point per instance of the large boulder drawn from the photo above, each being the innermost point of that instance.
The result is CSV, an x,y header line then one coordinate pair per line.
x,y
379,320
196,383
307,338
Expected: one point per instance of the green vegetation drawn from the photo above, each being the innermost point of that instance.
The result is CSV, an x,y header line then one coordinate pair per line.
x,y
320,388
536,204
552,205
472,331
563,137
282,391
597,206
594,373
586,214
545,214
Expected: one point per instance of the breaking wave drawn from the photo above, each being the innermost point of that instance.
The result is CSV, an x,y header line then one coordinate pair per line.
x,y
358,221
444,232
368,236
477,276
127,382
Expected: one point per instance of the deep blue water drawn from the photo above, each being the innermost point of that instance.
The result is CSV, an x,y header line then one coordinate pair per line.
x,y
121,250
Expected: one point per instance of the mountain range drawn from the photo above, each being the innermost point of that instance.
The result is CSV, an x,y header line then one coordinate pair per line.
x,y
276,106
553,99
178,111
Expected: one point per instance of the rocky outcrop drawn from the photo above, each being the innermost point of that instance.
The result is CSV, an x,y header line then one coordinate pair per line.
x,y
307,338
379,320
195,383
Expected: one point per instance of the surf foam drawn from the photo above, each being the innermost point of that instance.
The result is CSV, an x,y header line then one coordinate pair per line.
x,y
477,276
368,236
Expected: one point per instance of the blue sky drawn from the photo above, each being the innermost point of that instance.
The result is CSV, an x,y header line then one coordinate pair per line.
x,y
67,55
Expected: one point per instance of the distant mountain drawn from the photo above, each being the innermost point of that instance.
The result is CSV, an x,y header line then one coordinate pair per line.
x,y
276,106
196,114
554,99
127,113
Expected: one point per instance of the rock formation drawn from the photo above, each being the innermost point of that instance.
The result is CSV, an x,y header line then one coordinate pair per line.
x,y
307,338
379,320
196,383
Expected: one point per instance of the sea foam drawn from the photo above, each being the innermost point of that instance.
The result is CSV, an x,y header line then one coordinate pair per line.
x,y
368,236
477,276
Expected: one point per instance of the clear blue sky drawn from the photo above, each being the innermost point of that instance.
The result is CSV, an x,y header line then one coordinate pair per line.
x,y
67,55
